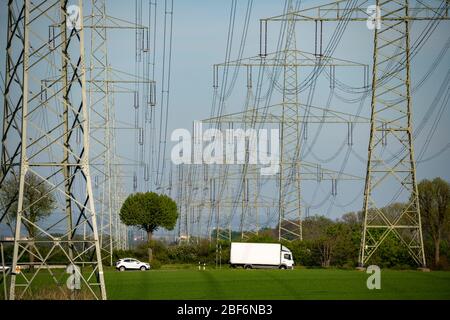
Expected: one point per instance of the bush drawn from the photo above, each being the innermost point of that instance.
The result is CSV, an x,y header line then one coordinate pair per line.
x,y
301,250
156,264
265,236
185,253
160,251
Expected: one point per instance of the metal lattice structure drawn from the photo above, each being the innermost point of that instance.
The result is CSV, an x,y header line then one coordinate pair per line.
x,y
104,83
291,117
289,205
46,134
391,128
391,101
100,103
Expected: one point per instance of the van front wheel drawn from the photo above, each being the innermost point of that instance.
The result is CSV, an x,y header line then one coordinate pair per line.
x,y
283,267
247,266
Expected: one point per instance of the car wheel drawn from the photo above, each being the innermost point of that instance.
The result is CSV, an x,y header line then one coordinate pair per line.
x,y
248,266
122,268
283,267
143,268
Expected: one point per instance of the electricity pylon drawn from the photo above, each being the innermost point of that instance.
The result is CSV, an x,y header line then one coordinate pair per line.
x,y
291,117
103,83
391,100
289,205
102,79
46,133
101,108
221,205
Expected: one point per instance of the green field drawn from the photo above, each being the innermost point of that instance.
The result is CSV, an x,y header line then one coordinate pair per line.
x,y
274,284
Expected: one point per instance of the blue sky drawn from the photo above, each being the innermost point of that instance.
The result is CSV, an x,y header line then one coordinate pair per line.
x,y
199,41
200,33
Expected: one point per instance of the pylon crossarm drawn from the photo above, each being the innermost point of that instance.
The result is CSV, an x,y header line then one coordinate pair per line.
x,y
273,114
303,59
338,11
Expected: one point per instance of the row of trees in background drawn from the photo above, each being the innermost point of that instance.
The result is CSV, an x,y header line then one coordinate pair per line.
x,y
325,242
328,242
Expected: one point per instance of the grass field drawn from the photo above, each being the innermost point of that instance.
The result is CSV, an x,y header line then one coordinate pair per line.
x,y
274,284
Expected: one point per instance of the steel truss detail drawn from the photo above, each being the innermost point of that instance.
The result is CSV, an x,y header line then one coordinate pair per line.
x,y
46,134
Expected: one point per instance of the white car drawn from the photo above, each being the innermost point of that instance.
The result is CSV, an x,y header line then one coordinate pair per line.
x,y
131,264
4,268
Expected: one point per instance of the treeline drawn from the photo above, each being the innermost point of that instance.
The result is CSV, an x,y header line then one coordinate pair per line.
x,y
332,243
326,243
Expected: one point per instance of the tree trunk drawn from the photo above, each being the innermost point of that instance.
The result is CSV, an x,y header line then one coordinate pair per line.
x,y
31,234
150,251
437,244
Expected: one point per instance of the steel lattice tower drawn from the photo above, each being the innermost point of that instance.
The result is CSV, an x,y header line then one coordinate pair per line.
x,y
46,133
101,135
391,99
290,223
292,118
105,82
391,121
391,118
